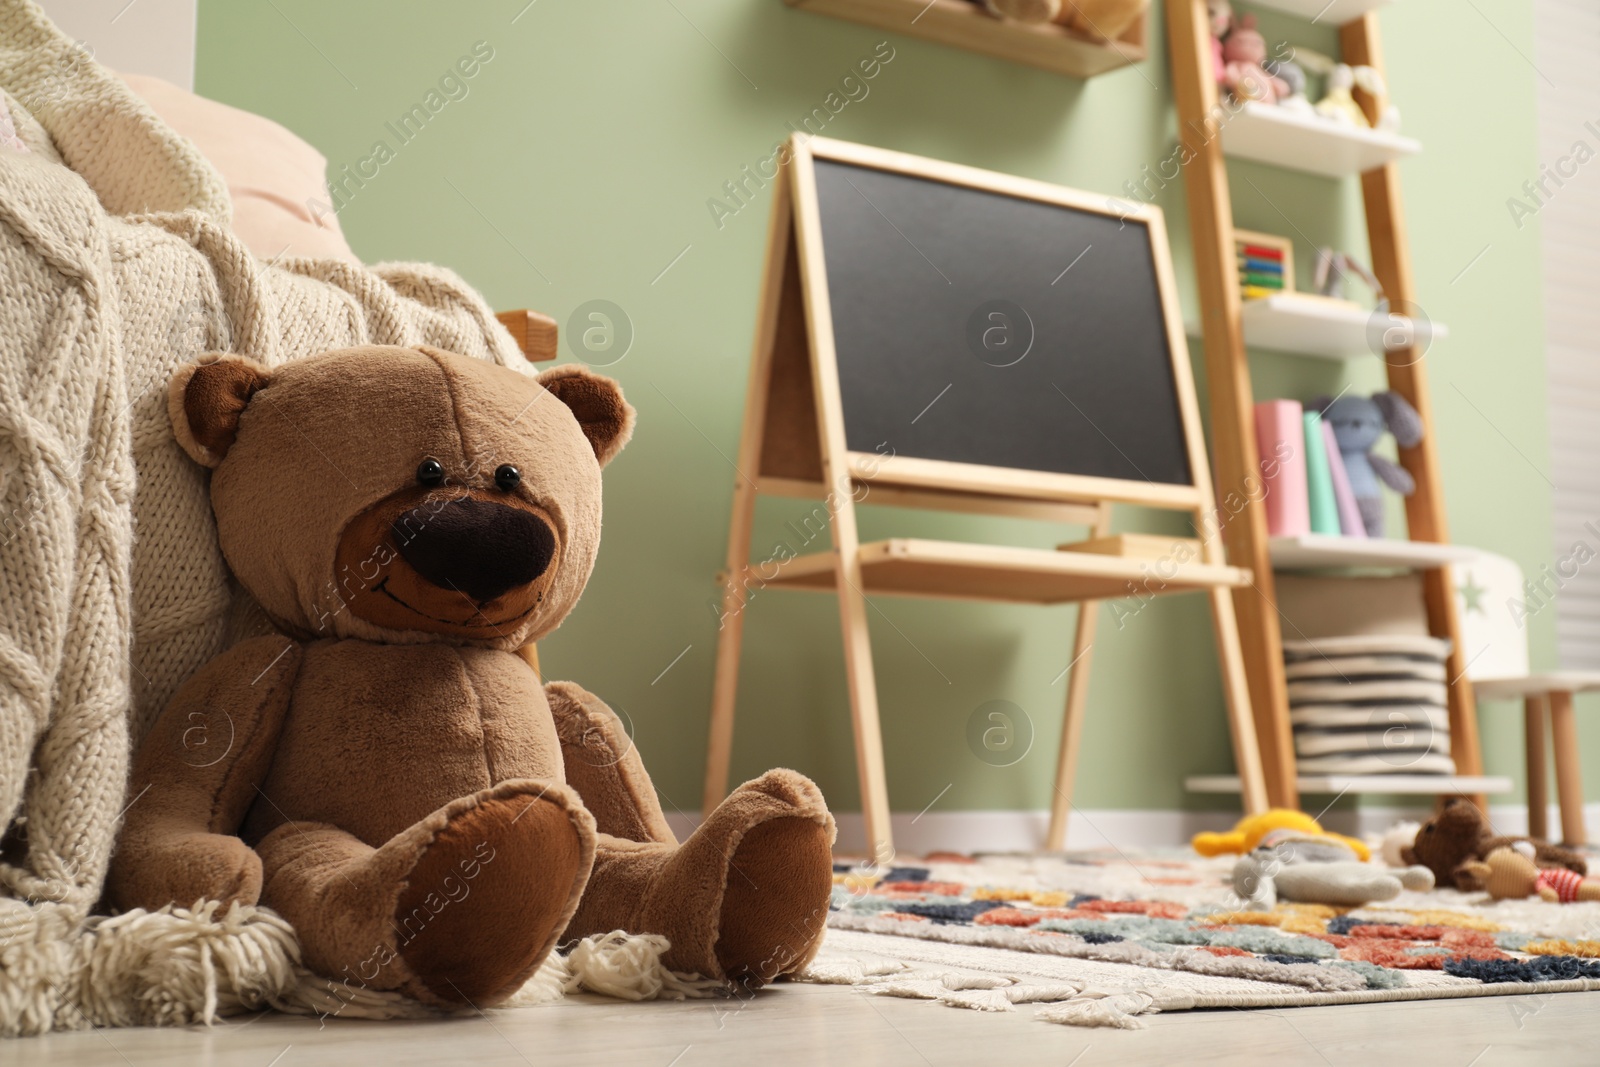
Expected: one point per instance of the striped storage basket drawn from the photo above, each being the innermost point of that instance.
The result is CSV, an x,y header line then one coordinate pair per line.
x,y
1369,704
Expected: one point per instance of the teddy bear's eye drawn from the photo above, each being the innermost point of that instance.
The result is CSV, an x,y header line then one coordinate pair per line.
x,y
429,472
507,477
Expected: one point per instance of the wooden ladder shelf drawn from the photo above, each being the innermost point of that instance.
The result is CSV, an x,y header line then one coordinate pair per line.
x,y
1234,448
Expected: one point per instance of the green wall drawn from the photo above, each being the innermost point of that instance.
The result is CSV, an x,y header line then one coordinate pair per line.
x,y
580,162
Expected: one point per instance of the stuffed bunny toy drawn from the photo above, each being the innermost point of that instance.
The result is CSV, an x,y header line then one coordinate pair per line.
x,y
1359,422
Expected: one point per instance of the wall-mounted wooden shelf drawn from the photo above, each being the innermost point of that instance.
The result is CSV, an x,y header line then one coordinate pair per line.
x,y
1323,12
1267,133
1338,784
962,24
954,570
1325,551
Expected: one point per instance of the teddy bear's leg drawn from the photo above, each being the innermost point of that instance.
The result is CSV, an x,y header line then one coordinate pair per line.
x,y
459,908
603,765
745,898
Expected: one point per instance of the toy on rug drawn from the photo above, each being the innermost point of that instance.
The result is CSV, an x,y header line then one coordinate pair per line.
x,y
1512,874
1359,422
1317,868
1244,55
386,772
1251,830
1399,837
1449,844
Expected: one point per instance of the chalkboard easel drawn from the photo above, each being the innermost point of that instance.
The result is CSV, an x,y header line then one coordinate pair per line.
x,y
895,283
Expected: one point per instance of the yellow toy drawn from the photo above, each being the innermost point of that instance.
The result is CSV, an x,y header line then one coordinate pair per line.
x,y
1251,829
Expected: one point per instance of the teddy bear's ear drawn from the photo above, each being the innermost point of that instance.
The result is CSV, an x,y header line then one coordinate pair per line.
x,y
205,400
596,402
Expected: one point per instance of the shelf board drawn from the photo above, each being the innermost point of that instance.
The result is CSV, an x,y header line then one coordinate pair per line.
x,y
1323,12
1267,133
1317,326
1308,325
962,24
953,570
1335,784
1318,551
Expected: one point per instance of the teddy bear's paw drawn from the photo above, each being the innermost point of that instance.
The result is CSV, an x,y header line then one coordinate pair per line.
x,y
492,891
185,867
779,878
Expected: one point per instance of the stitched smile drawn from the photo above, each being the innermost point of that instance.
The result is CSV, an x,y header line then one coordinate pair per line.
x,y
383,587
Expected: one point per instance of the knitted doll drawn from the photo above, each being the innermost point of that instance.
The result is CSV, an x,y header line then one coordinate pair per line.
x,y
1511,874
1358,423
1244,55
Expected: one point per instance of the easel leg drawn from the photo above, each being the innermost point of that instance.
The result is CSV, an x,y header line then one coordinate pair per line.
x,y
1235,688
1072,725
863,685
1569,784
1077,699
1538,792
725,686
735,590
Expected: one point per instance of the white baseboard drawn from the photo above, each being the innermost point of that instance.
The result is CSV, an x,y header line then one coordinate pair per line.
x,y
1020,831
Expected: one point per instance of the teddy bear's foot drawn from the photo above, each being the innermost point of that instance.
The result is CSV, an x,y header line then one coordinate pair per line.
x,y
745,898
459,909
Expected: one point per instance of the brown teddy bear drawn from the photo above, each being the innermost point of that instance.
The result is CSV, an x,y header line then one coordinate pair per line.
x,y
1452,841
387,772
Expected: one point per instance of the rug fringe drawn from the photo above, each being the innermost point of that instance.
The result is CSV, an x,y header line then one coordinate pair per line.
x,y
1060,1002
1119,1010
182,966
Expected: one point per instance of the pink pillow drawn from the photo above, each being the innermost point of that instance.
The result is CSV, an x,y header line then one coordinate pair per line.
x,y
273,176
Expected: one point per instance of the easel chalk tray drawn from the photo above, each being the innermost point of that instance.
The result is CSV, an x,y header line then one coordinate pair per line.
x,y
936,336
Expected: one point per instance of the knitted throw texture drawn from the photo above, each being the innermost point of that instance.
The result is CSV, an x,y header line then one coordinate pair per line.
x,y
117,264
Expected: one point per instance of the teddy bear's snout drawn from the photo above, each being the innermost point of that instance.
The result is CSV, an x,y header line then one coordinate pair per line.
x,y
476,547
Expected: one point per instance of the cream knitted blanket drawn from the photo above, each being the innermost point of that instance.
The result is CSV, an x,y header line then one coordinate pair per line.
x,y
116,265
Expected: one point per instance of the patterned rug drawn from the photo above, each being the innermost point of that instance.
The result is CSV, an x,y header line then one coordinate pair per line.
x,y
1102,938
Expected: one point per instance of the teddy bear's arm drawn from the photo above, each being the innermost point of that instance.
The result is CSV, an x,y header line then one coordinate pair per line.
x,y
603,765
1548,855
196,774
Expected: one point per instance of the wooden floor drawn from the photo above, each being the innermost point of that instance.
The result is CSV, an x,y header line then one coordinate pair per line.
x,y
834,1024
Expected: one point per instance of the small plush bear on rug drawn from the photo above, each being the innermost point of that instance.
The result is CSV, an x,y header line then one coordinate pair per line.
x,y
1454,843
387,772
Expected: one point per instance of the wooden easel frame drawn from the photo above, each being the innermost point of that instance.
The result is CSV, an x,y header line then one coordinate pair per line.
x,y
795,314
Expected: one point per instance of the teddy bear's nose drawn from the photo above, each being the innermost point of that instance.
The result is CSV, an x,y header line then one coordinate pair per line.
x,y
477,547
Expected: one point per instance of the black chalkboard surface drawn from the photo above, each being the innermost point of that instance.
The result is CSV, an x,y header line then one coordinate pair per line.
x,y
976,327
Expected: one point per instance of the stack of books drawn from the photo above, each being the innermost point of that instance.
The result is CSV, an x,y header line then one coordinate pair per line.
x,y
1306,487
